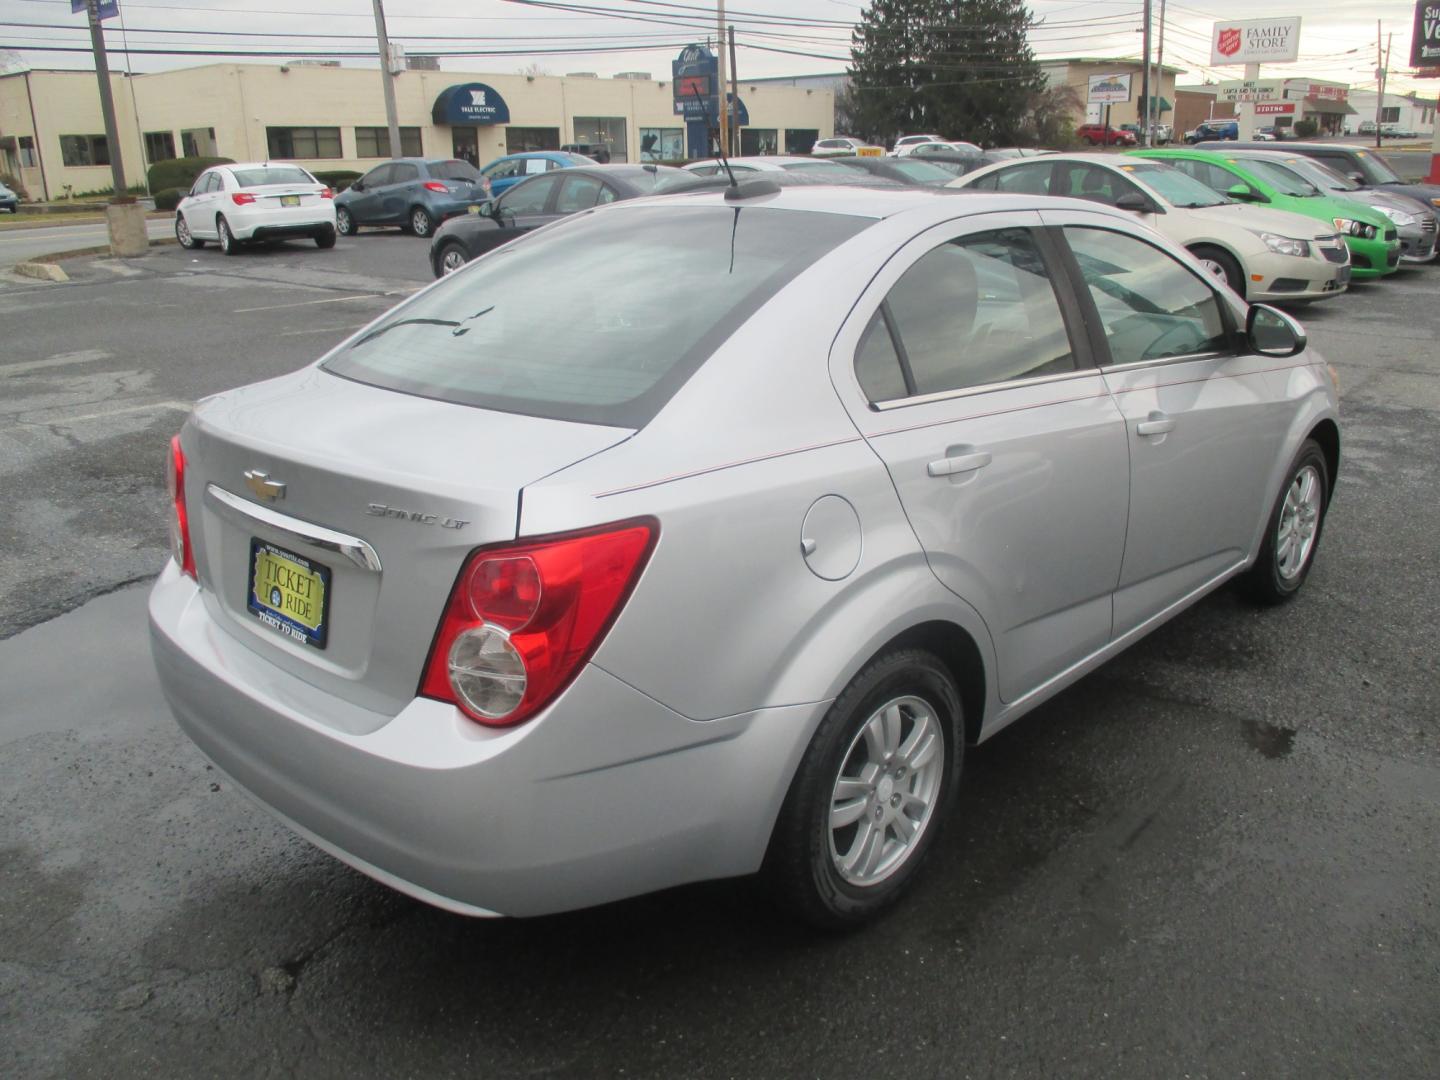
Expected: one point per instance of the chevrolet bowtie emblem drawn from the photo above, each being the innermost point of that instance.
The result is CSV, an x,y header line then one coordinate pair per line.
x,y
263,487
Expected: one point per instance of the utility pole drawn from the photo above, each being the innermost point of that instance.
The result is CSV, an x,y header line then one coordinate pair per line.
x,y
734,97
387,79
1159,91
1146,90
1381,70
107,102
723,112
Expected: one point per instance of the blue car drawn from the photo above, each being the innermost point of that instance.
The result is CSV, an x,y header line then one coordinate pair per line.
x,y
9,201
509,170
415,193
1214,131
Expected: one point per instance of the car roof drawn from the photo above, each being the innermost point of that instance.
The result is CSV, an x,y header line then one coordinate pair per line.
x,y
257,165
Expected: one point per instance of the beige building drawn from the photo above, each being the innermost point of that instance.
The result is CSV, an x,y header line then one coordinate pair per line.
x,y
52,136
1076,72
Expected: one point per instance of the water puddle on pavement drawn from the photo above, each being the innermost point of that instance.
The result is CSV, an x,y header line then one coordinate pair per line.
x,y
1271,740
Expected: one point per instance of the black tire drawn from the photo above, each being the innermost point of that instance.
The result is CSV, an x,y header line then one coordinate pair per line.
x,y
345,225
449,251
325,240
420,222
800,865
1089,141
1230,269
228,244
1268,582
184,237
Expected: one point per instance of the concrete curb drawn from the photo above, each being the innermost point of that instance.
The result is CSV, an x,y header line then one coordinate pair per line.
x,y
47,268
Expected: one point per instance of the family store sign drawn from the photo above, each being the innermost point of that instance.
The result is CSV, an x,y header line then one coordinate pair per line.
x,y
1258,41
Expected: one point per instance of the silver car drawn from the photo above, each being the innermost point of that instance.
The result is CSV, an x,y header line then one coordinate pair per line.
x,y
698,536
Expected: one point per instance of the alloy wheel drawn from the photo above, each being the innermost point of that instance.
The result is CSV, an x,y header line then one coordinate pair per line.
x,y
452,260
1299,522
885,794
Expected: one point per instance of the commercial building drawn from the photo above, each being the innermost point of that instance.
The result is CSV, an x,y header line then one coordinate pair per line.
x,y
328,117
1328,104
1410,112
1076,73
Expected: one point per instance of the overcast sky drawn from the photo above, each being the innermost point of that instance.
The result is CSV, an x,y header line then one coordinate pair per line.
x,y
1337,43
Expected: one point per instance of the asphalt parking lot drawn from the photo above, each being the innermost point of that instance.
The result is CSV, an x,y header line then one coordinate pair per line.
x,y
1214,857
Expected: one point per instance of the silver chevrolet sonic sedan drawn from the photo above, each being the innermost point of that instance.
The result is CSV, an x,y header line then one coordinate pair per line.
x,y
697,536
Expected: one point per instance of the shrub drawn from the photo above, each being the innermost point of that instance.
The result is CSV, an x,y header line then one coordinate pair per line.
x,y
14,184
106,192
170,198
1306,129
181,172
337,179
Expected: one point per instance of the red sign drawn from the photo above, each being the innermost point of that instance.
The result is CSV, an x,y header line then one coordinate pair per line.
x,y
692,85
1229,43
1270,108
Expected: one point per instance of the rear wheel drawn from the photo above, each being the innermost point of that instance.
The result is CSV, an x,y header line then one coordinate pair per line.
x,y
1293,530
344,224
1223,265
421,224
325,239
184,237
452,258
228,244
870,793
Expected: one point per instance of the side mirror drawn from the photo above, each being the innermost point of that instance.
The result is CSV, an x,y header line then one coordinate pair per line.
x,y
1135,202
1273,333
358,185
1243,193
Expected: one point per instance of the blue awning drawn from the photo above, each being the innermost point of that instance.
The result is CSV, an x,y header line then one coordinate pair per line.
x,y
470,103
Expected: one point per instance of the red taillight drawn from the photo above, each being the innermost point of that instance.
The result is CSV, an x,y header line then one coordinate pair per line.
x,y
180,520
525,616
242,198
435,185
326,193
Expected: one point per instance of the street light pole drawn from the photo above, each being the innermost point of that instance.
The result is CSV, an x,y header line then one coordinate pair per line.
x,y
107,102
386,78
1145,88
724,111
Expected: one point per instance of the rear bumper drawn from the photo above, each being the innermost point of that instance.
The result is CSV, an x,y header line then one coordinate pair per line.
x,y
607,794
281,222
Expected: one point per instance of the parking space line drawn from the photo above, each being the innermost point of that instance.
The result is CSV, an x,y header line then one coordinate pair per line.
x,y
63,421
309,303
84,356
322,330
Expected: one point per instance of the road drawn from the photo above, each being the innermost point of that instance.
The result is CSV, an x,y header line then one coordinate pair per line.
x,y
19,245
1213,857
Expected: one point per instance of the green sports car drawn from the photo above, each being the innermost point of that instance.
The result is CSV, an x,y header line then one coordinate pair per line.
x,y
1373,241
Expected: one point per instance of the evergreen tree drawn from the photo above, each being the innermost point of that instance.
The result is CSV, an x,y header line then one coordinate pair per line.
x,y
960,68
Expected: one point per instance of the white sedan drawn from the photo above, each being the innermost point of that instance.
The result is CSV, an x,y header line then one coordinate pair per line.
x,y
1262,254
239,203
844,146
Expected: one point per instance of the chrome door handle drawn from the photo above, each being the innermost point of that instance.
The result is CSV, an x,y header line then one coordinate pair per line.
x,y
1157,424
950,466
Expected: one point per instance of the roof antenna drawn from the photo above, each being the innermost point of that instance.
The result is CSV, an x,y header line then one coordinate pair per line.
x,y
706,113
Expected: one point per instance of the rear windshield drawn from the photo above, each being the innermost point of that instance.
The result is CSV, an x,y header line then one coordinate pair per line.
x,y
272,174
453,170
600,319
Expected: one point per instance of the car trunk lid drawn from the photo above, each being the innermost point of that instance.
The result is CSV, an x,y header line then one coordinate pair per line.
x,y
372,495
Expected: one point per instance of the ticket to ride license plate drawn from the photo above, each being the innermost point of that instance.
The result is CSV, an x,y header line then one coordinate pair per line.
x,y
869,151
289,593
289,200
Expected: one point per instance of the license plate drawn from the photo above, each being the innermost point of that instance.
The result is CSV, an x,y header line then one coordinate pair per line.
x,y
289,200
870,151
289,593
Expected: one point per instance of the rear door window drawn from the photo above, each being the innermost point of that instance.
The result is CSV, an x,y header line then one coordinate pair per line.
x,y
600,319
578,193
976,310
403,173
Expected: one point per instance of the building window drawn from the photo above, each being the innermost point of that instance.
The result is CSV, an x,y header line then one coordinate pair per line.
x,y
1390,114
198,142
527,140
606,131
28,157
759,140
800,140
159,146
662,144
375,142
78,150
303,142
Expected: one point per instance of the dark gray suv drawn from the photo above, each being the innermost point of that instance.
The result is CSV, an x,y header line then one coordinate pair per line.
x,y
415,193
